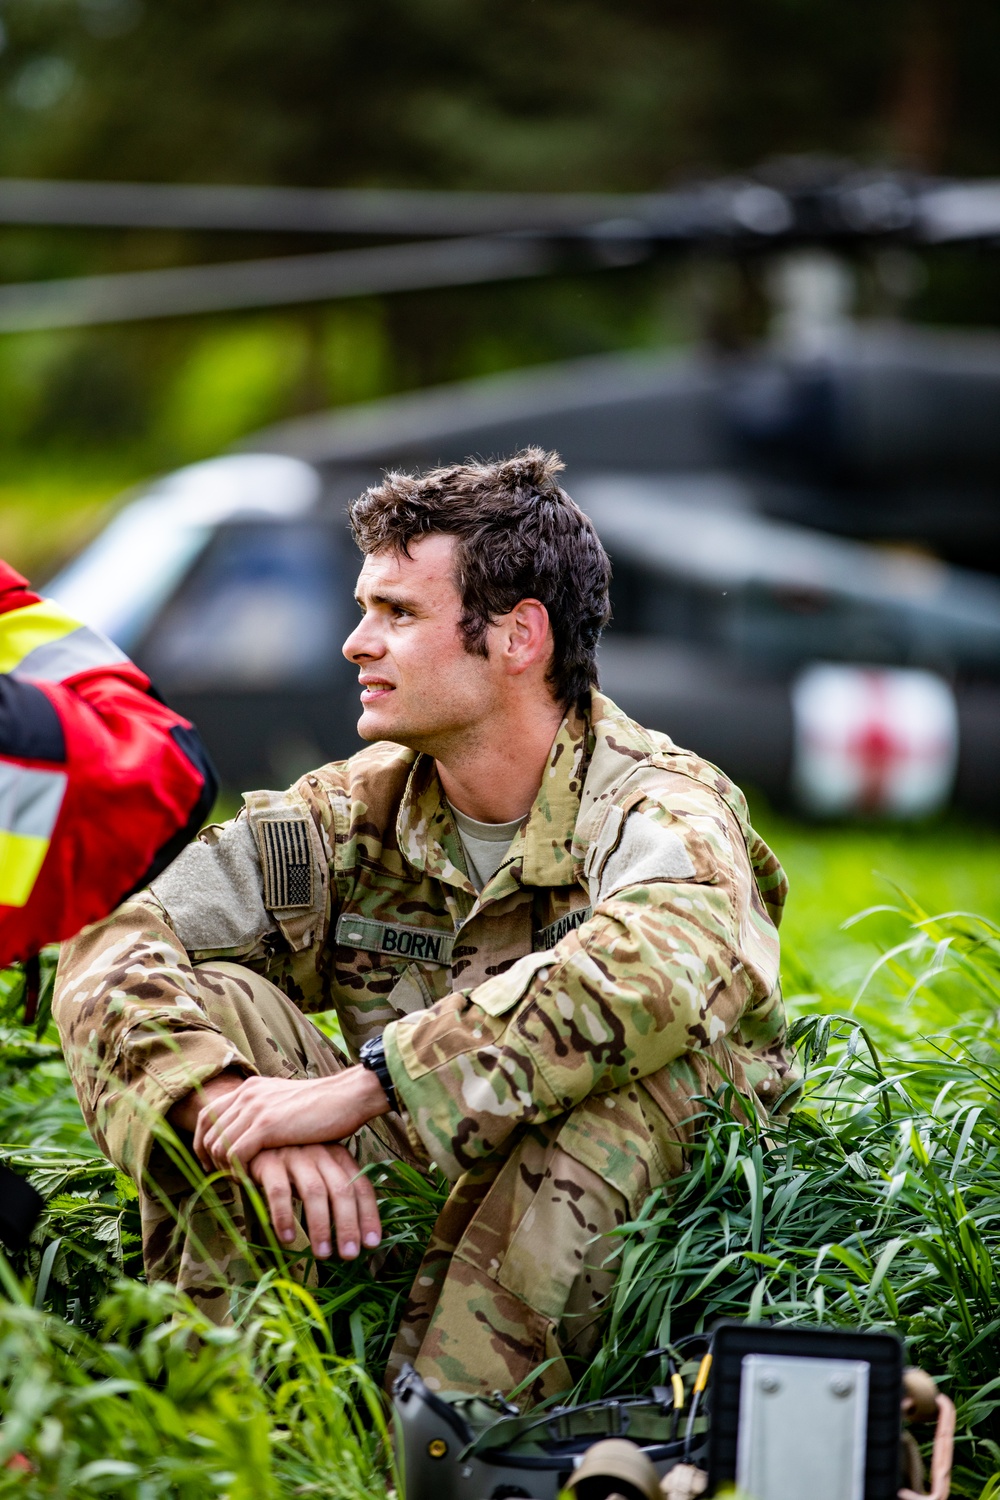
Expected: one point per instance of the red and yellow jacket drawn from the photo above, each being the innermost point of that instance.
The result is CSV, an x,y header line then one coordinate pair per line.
x,y
101,784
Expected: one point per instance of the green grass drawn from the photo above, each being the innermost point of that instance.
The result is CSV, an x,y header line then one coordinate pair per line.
x,y
837,872
160,1403
876,1203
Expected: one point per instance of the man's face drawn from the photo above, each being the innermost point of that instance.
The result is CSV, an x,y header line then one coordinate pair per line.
x,y
419,685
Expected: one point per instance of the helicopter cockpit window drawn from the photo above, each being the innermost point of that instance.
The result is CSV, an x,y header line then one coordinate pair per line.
x,y
259,610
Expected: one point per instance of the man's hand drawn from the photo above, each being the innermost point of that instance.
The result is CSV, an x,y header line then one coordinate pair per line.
x,y
262,1113
333,1193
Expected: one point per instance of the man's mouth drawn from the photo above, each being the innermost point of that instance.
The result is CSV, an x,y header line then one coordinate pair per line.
x,y
374,688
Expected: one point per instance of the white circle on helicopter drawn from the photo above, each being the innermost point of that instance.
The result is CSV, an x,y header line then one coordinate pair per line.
x,y
873,740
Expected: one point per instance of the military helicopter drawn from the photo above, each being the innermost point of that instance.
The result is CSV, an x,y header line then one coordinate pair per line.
x,y
805,534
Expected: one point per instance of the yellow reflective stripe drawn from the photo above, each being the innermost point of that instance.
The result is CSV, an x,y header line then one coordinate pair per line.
x,y
21,858
24,630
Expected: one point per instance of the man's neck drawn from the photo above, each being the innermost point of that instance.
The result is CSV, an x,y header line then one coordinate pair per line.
x,y
497,779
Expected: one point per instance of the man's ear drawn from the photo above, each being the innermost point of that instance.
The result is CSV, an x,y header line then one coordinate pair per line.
x,y
527,636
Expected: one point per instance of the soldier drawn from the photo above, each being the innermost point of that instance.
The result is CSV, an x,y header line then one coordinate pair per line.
x,y
545,930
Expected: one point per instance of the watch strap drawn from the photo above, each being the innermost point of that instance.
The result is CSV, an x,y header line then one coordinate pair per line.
x,y
372,1057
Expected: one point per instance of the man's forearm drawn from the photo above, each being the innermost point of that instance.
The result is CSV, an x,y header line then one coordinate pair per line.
x,y
262,1113
622,996
184,1114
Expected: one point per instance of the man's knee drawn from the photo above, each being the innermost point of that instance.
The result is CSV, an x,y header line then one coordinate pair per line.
x,y
542,1231
529,1280
263,1024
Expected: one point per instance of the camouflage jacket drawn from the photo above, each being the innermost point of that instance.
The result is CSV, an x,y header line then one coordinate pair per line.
x,y
631,925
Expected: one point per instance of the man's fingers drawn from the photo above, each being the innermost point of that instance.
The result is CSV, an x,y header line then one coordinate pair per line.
x,y
204,1126
237,1135
369,1220
220,1135
240,1141
316,1195
355,1209
270,1171
338,1203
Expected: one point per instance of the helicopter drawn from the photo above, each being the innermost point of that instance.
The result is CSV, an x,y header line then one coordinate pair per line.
x,y
805,534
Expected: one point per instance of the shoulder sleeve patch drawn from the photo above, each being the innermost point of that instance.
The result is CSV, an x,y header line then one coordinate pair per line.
x,y
286,862
211,892
293,864
637,849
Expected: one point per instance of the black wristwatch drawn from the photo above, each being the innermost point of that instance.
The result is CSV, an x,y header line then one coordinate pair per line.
x,y
372,1056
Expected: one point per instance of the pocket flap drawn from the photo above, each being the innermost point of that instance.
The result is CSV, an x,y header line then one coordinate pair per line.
x,y
501,993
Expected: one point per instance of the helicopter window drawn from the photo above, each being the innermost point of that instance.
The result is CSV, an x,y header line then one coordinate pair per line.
x,y
765,627
647,603
258,610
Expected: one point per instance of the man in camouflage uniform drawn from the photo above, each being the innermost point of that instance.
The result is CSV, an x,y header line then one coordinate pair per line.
x,y
540,1023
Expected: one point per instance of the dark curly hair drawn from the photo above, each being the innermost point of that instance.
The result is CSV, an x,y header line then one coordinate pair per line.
x,y
518,536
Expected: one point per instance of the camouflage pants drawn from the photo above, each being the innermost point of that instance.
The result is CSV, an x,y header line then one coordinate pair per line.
x,y
513,1275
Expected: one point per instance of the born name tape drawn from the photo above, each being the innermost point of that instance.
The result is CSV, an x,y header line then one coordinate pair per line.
x,y
419,943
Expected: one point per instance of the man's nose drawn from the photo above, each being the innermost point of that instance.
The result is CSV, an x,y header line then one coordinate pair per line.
x,y
363,643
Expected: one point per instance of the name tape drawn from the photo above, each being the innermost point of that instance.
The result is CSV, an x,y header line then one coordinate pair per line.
x,y
420,943
549,936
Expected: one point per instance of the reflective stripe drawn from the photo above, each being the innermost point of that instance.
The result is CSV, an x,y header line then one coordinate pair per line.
x,y
30,800
43,641
22,630
57,660
20,861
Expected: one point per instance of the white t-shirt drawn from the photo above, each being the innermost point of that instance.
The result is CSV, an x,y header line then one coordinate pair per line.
x,y
484,845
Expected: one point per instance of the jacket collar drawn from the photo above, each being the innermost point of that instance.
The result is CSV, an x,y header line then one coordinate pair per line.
x,y
541,852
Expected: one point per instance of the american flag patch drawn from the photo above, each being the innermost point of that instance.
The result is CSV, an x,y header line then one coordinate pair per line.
x,y
285,862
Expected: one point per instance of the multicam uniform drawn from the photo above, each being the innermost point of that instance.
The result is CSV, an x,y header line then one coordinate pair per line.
x,y
545,1037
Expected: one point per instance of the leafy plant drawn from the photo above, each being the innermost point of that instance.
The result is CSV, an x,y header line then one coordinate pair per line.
x,y
161,1402
874,1202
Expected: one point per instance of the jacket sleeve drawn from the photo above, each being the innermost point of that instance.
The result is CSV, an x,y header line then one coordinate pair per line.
x,y
678,951
101,784
136,1033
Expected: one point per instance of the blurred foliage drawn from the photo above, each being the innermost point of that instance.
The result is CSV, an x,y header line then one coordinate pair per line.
x,y
837,870
569,94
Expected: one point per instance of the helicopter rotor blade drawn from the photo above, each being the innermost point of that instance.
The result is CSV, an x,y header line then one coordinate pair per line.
x,y
375,211
848,205
956,212
530,234
133,296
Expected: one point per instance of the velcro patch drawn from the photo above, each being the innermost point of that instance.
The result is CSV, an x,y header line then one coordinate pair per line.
x,y
422,944
549,936
286,862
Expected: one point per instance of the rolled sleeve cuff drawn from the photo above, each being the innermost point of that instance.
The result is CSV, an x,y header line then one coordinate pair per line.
x,y
164,1065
